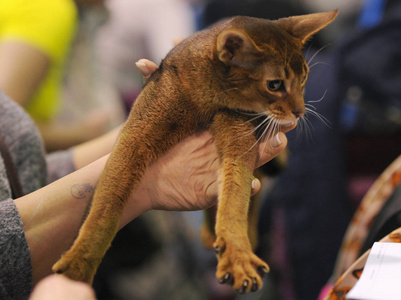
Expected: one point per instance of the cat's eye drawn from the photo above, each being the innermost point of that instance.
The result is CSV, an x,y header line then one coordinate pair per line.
x,y
275,85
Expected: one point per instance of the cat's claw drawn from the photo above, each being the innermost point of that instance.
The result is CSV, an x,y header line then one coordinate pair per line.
x,y
240,267
254,287
242,290
226,279
263,271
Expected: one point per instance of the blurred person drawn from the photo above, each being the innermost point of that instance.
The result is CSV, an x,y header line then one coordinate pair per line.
x,y
86,96
139,28
35,40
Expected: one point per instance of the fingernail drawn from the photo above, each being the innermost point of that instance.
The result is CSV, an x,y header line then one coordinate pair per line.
x,y
142,67
253,184
275,141
142,64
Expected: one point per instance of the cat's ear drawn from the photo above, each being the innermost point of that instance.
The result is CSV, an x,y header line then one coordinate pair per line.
x,y
303,27
235,47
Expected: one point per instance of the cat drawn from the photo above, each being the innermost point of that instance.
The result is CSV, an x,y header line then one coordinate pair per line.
x,y
241,79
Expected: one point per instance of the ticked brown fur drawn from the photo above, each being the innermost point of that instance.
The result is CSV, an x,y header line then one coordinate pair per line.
x,y
229,79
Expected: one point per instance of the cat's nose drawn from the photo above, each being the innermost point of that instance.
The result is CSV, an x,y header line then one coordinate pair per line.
x,y
298,113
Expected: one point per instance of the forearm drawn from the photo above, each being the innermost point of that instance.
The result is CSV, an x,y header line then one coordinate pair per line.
x,y
62,163
53,215
88,152
22,69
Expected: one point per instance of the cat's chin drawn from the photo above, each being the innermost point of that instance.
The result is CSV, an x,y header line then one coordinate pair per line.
x,y
286,123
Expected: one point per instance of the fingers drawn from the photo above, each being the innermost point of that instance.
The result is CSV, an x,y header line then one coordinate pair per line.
x,y
177,40
274,146
256,185
146,67
271,148
62,288
289,128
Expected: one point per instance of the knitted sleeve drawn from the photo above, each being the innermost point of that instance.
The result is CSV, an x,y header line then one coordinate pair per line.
x,y
59,164
15,259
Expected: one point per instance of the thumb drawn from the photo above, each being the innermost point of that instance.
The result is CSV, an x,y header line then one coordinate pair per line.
x,y
146,67
272,148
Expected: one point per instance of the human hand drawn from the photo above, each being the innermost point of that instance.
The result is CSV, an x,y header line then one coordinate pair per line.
x,y
146,67
62,288
186,177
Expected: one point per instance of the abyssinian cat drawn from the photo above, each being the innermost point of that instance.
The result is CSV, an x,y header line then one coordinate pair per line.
x,y
239,79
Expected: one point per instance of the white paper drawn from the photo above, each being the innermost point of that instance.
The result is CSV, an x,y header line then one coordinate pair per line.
x,y
381,276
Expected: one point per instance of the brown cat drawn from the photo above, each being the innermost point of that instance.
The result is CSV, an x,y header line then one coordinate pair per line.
x,y
239,77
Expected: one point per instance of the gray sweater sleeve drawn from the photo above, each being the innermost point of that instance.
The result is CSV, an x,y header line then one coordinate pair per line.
x,y
15,259
59,164
27,153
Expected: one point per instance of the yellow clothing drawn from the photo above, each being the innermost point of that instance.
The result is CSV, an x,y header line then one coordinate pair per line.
x,y
49,26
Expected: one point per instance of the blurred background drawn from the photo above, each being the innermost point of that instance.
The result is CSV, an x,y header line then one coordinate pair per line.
x,y
306,205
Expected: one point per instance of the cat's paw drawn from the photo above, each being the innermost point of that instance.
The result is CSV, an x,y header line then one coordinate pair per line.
x,y
75,268
239,266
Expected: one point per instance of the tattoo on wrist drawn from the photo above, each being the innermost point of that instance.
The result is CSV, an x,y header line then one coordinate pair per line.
x,y
81,191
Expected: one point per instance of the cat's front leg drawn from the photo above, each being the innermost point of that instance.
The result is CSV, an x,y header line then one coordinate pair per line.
x,y
236,146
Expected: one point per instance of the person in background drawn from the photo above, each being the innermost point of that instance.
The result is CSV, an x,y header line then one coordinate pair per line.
x,y
135,29
35,40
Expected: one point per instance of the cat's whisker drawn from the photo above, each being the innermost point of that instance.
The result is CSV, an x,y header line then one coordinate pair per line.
x,y
317,52
318,100
307,105
307,51
257,117
256,128
318,63
253,146
275,129
319,116
269,131
300,126
305,127
264,137
266,127
271,125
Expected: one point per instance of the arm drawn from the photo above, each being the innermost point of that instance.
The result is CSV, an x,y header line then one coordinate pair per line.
x,y
22,69
86,153
53,215
62,163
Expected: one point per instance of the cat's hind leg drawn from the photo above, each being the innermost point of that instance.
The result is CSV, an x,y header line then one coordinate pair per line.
x,y
96,234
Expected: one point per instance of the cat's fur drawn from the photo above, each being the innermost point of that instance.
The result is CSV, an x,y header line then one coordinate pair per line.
x,y
229,79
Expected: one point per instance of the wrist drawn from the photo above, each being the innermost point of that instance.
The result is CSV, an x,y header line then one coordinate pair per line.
x,y
138,203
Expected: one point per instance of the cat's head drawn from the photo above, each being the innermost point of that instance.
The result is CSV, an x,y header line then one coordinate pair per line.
x,y
263,66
